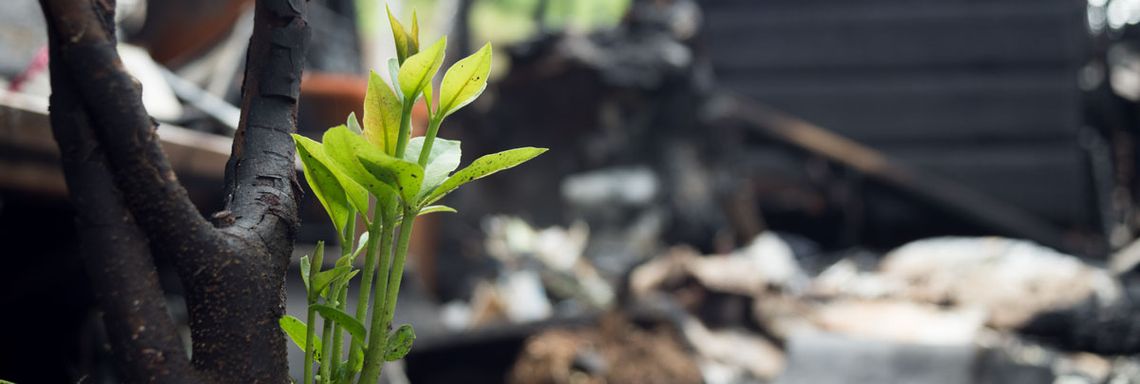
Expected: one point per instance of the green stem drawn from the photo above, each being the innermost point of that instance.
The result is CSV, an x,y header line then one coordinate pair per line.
x,y
378,328
326,350
375,359
399,260
333,358
429,139
405,128
377,331
366,280
310,333
310,318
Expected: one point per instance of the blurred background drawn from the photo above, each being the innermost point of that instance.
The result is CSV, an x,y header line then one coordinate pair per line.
x,y
738,191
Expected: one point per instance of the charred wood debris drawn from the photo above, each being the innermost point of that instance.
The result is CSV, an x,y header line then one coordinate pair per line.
x,y
708,223
680,232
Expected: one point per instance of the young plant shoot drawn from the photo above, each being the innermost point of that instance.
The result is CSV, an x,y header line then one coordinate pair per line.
x,y
376,173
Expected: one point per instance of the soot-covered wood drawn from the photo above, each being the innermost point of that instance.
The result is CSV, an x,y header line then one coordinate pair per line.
x,y
130,204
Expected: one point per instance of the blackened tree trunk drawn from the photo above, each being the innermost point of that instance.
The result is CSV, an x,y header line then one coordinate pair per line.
x,y
131,208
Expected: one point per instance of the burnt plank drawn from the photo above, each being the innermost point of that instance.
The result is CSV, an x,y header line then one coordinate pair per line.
x,y
858,35
927,106
1046,178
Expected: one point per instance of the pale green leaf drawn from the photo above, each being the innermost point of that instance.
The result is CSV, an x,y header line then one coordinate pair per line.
x,y
305,268
323,181
296,330
311,268
342,146
344,279
361,243
357,358
399,36
405,176
482,167
443,159
394,75
350,324
348,368
414,36
417,72
345,259
464,81
429,102
353,124
356,195
436,208
382,113
399,343
323,279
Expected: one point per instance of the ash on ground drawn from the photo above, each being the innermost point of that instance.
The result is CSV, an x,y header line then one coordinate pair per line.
x,y
941,310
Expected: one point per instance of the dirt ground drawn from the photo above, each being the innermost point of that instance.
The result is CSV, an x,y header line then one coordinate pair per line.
x,y
615,351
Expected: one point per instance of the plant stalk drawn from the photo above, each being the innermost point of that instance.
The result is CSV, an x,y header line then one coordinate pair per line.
x,y
374,361
377,331
378,328
429,139
405,127
310,328
326,349
374,231
399,259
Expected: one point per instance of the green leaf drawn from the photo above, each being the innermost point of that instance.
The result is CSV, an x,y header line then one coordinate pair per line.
x,y
305,268
436,208
360,244
353,124
382,112
417,72
356,195
400,36
399,343
405,176
345,260
394,75
443,159
429,101
350,324
344,279
483,167
349,367
414,37
358,358
464,81
342,146
323,181
296,330
324,278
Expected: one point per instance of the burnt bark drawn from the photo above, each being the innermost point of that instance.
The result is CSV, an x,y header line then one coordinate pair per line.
x,y
131,206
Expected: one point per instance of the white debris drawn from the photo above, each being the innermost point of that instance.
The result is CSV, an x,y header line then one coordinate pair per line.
x,y
524,297
766,263
1012,280
901,321
734,349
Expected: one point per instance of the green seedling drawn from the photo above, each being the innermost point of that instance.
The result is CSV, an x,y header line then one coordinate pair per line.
x,y
374,172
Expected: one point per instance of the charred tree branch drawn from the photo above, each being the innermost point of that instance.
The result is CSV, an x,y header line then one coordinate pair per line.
x,y
234,276
261,176
113,100
115,251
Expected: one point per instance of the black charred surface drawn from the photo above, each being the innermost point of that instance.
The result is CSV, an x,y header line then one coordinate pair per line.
x,y
118,175
115,251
